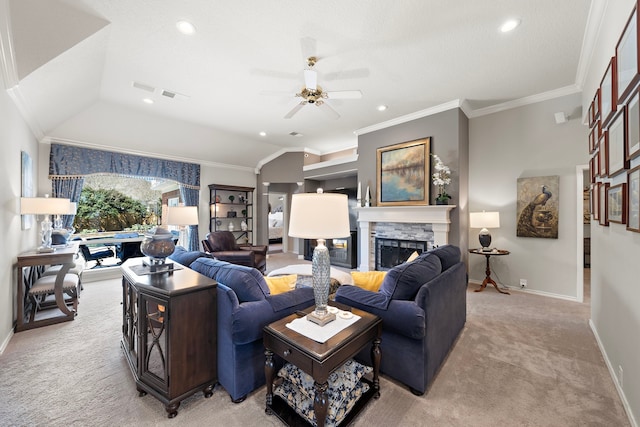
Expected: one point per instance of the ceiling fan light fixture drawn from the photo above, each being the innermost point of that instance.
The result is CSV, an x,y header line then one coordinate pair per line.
x,y
510,25
186,27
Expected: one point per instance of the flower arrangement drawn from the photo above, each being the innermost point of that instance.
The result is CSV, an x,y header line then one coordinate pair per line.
x,y
441,178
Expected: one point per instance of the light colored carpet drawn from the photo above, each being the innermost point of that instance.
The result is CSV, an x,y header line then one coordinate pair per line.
x,y
521,360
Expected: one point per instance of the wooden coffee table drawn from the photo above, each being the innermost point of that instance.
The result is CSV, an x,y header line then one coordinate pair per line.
x,y
319,360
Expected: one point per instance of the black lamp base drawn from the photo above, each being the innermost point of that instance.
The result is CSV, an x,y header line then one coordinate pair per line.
x,y
485,240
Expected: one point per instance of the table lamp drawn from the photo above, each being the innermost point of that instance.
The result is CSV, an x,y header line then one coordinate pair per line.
x,y
484,220
44,206
320,216
182,216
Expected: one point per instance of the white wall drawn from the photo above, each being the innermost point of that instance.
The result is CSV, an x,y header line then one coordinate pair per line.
x,y
526,142
615,288
14,138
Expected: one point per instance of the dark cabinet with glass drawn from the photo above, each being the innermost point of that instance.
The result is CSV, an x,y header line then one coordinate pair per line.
x,y
169,333
231,209
342,252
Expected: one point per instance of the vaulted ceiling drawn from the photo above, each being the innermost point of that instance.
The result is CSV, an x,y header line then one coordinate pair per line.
x,y
79,69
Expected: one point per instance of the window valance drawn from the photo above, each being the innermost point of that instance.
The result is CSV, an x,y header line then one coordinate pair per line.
x,y
70,162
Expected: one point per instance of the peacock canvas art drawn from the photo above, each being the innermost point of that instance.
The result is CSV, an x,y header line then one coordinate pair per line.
x,y
538,202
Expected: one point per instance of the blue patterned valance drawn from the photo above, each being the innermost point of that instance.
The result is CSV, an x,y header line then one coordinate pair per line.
x,y
66,161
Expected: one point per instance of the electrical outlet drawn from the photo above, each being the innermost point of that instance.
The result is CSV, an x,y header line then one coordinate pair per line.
x,y
620,376
523,283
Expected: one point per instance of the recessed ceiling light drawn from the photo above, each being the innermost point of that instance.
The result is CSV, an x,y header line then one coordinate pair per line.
x,y
186,27
509,25
382,107
147,101
263,134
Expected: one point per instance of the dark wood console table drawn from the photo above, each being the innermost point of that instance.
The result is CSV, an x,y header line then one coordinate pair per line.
x,y
488,279
319,360
169,333
35,262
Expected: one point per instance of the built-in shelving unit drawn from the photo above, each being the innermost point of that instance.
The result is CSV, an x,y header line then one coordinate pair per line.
x,y
231,206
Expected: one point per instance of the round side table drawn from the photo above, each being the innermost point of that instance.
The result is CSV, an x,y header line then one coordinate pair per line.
x,y
488,279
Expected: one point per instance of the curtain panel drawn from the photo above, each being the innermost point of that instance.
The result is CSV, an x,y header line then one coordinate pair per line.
x,y
70,162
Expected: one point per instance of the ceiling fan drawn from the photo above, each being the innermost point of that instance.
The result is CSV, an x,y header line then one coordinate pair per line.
x,y
311,93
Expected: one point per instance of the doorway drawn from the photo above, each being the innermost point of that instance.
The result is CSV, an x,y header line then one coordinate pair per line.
x,y
277,223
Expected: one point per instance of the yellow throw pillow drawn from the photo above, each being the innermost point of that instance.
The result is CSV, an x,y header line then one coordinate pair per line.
x,y
413,256
280,284
369,280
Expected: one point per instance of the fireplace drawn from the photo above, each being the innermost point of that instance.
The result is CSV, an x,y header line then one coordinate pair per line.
x,y
416,223
391,252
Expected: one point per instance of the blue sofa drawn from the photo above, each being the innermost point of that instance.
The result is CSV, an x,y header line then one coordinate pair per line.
x,y
423,306
245,307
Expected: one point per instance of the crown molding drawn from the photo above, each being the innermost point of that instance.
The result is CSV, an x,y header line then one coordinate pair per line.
x,y
592,31
410,117
8,68
527,100
332,162
282,151
50,140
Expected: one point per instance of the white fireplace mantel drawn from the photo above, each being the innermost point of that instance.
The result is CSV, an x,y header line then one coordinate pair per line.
x,y
436,215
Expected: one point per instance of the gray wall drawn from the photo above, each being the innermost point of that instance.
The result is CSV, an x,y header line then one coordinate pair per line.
x,y
526,142
15,137
615,292
448,131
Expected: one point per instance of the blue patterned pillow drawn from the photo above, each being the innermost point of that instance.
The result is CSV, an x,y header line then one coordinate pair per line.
x,y
341,381
303,404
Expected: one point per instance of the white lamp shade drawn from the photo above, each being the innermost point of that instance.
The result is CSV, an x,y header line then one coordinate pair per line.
x,y
44,206
319,216
73,208
182,215
484,220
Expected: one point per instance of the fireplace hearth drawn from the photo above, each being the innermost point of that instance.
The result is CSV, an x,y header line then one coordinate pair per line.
x,y
391,252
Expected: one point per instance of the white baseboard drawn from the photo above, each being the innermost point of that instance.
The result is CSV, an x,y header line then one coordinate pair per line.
x,y
5,343
612,372
528,291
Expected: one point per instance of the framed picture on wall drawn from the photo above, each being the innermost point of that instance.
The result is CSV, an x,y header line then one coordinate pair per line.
x,y
608,95
596,107
403,173
617,203
602,155
633,126
602,201
27,186
627,58
633,199
595,203
616,144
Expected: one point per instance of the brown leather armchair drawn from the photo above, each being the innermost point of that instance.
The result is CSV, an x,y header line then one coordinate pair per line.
x,y
223,246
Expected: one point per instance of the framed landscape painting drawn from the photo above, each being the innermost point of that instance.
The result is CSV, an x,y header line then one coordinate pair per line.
x,y
403,173
27,186
633,199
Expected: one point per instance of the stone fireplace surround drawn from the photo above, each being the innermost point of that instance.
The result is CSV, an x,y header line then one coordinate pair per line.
x,y
429,223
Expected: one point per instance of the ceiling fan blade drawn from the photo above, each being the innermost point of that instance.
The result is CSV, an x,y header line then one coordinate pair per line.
x,y
310,79
277,93
345,94
328,110
294,110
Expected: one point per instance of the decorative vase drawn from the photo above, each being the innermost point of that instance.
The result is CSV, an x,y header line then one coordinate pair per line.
x,y
442,201
231,226
157,245
243,226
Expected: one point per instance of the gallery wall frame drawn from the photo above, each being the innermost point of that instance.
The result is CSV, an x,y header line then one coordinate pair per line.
x,y
633,126
595,203
603,219
603,160
608,95
633,199
403,173
616,144
627,57
617,203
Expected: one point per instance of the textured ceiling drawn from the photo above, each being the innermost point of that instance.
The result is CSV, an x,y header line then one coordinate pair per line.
x,y
75,61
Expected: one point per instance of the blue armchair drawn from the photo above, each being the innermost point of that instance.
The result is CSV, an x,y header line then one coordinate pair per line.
x,y
245,306
423,307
